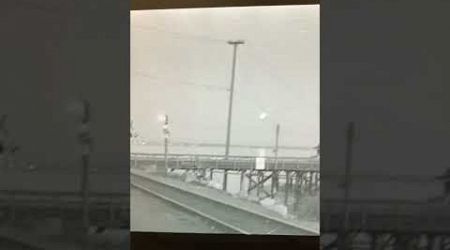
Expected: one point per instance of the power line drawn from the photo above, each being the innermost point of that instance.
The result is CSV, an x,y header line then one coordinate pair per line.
x,y
267,70
202,37
207,86
181,34
210,87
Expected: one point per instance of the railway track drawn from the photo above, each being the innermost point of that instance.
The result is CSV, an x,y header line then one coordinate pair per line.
x,y
235,219
181,218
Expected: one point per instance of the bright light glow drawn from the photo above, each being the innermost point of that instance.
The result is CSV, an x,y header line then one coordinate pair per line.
x,y
263,116
161,118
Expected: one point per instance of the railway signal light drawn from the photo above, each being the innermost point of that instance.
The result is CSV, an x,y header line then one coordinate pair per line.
x,y
166,140
161,118
165,127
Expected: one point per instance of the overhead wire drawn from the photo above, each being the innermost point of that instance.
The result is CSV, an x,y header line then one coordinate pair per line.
x,y
189,83
182,35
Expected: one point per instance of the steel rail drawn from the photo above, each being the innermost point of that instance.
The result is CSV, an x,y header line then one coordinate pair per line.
x,y
190,209
233,215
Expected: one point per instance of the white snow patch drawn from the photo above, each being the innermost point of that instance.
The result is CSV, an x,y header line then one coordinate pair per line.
x,y
177,172
271,204
215,184
267,202
203,181
281,209
190,178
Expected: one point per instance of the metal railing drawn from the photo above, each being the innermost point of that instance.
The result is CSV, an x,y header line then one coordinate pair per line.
x,y
233,162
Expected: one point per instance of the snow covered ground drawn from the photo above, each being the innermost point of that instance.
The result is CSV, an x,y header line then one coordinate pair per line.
x,y
306,204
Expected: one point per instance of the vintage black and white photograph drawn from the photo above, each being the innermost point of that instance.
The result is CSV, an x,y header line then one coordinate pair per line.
x,y
225,120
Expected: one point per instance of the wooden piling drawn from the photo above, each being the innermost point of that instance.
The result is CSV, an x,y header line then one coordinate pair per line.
x,y
225,180
258,188
286,188
316,182
297,190
273,183
241,185
249,181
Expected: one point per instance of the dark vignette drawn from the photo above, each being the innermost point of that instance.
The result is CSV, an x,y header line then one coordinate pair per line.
x,y
385,119
64,103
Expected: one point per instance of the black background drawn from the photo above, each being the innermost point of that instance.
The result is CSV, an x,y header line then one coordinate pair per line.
x,y
383,65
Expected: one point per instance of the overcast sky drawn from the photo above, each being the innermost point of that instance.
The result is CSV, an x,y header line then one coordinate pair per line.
x,y
181,64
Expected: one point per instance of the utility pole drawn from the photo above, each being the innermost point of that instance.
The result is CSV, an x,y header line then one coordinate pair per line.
x,y
86,142
343,237
3,141
166,141
275,171
230,107
277,138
